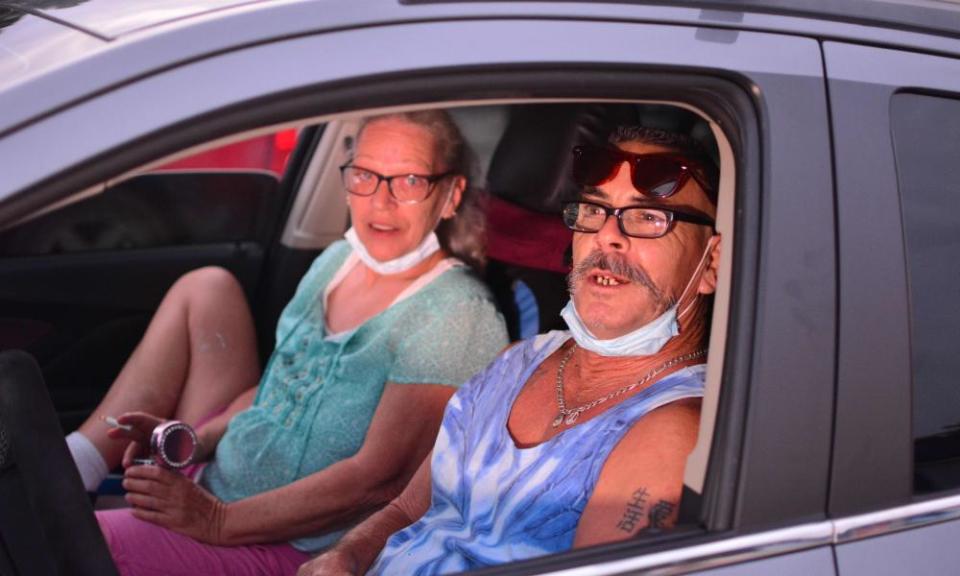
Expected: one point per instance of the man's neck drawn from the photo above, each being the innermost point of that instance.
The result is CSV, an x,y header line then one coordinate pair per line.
x,y
590,375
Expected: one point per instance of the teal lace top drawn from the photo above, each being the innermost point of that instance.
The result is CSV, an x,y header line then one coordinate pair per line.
x,y
319,393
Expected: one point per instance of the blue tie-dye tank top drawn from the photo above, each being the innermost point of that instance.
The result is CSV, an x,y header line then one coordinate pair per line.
x,y
493,502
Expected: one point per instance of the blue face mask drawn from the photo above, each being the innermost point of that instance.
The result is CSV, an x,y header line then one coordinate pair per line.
x,y
645,340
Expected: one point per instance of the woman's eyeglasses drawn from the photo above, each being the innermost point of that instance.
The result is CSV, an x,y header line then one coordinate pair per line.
x,y
635,221
654,175
404,188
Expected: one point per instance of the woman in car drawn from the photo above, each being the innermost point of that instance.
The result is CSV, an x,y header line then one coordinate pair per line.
x,y
382,328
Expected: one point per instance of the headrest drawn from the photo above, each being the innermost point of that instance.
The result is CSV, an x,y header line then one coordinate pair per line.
x,y
531,165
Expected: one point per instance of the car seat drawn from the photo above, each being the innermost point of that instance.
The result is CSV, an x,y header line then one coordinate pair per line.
x,y
47,526
528,179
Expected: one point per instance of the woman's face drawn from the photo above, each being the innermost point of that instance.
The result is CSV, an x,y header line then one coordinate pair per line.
x,y
387,228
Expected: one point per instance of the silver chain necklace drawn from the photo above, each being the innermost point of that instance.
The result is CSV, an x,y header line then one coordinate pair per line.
x,y
569,416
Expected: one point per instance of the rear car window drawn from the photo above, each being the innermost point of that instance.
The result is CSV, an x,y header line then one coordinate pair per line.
x,y
926,132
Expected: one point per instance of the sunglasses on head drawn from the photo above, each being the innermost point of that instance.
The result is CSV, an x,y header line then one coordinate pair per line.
x,y
658,175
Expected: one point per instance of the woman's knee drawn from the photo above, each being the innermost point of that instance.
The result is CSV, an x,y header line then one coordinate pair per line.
x,y
210,283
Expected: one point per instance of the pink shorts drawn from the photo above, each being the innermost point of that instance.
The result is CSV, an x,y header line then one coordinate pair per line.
x,y
145,549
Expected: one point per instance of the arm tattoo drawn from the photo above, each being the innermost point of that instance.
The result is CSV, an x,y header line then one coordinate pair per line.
x,y
659,515
634,511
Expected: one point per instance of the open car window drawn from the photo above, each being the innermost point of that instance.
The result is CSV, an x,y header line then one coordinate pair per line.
x,y
522,154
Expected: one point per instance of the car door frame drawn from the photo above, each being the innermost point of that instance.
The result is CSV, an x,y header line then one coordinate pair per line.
x,y
771,447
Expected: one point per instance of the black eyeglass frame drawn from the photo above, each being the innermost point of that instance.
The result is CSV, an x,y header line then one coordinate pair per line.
x,y
431,179
673,215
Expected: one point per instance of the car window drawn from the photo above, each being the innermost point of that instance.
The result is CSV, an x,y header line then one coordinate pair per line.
x,y
926,133
269,153
226,194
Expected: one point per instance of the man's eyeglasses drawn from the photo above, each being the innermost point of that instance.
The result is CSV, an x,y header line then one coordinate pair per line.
x,y
635,221
654,175
404,188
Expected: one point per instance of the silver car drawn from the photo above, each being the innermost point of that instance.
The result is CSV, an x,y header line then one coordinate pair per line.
x,y
141,140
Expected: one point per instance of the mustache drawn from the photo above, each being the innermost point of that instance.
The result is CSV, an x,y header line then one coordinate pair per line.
x,y
616,264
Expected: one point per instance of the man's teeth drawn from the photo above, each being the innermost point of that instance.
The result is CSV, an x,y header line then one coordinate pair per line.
x,y
606,281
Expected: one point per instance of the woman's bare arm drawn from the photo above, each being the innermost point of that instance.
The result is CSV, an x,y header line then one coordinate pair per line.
x,y
401,434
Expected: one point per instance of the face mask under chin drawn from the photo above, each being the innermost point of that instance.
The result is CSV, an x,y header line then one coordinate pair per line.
x,y
645,340
421,252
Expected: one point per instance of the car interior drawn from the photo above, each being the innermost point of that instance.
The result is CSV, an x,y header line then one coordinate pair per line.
x,y
82,277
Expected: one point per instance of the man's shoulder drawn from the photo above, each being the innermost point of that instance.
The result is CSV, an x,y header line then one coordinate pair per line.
x,y
514,360
517,357
671,428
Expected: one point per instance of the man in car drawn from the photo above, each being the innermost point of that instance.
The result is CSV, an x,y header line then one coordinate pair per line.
x,y
581,437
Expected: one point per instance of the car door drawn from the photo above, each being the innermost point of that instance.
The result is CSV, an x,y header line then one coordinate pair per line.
x,y
757,497
895,492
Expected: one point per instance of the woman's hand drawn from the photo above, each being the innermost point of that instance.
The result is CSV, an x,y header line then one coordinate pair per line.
x,y
141,427
173,501
332,563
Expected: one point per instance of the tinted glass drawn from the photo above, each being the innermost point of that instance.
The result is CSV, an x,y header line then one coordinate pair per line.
x,y
269,153
927,145
154,211
226,194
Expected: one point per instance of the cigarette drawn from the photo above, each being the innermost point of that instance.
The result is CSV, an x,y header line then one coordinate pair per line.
x,y
112,422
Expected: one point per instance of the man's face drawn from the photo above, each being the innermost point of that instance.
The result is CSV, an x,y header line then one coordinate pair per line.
x,y
609,304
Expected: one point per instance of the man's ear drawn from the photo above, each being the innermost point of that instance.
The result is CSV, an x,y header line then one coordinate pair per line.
x,y
708,282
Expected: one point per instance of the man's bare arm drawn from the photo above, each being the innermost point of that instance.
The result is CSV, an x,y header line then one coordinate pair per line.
x,y
640,485
359,548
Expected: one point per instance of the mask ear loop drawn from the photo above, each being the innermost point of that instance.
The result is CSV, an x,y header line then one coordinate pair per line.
x,y
695,276
446,201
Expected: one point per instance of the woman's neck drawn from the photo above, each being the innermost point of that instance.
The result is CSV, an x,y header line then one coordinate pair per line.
x,y
369,277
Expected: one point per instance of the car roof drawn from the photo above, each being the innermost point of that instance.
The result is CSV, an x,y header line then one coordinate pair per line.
x,y
109,19
929,16
54,51
65,51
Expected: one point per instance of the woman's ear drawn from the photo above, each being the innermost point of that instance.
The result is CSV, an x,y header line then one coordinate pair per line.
x,y
456,195
708,282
